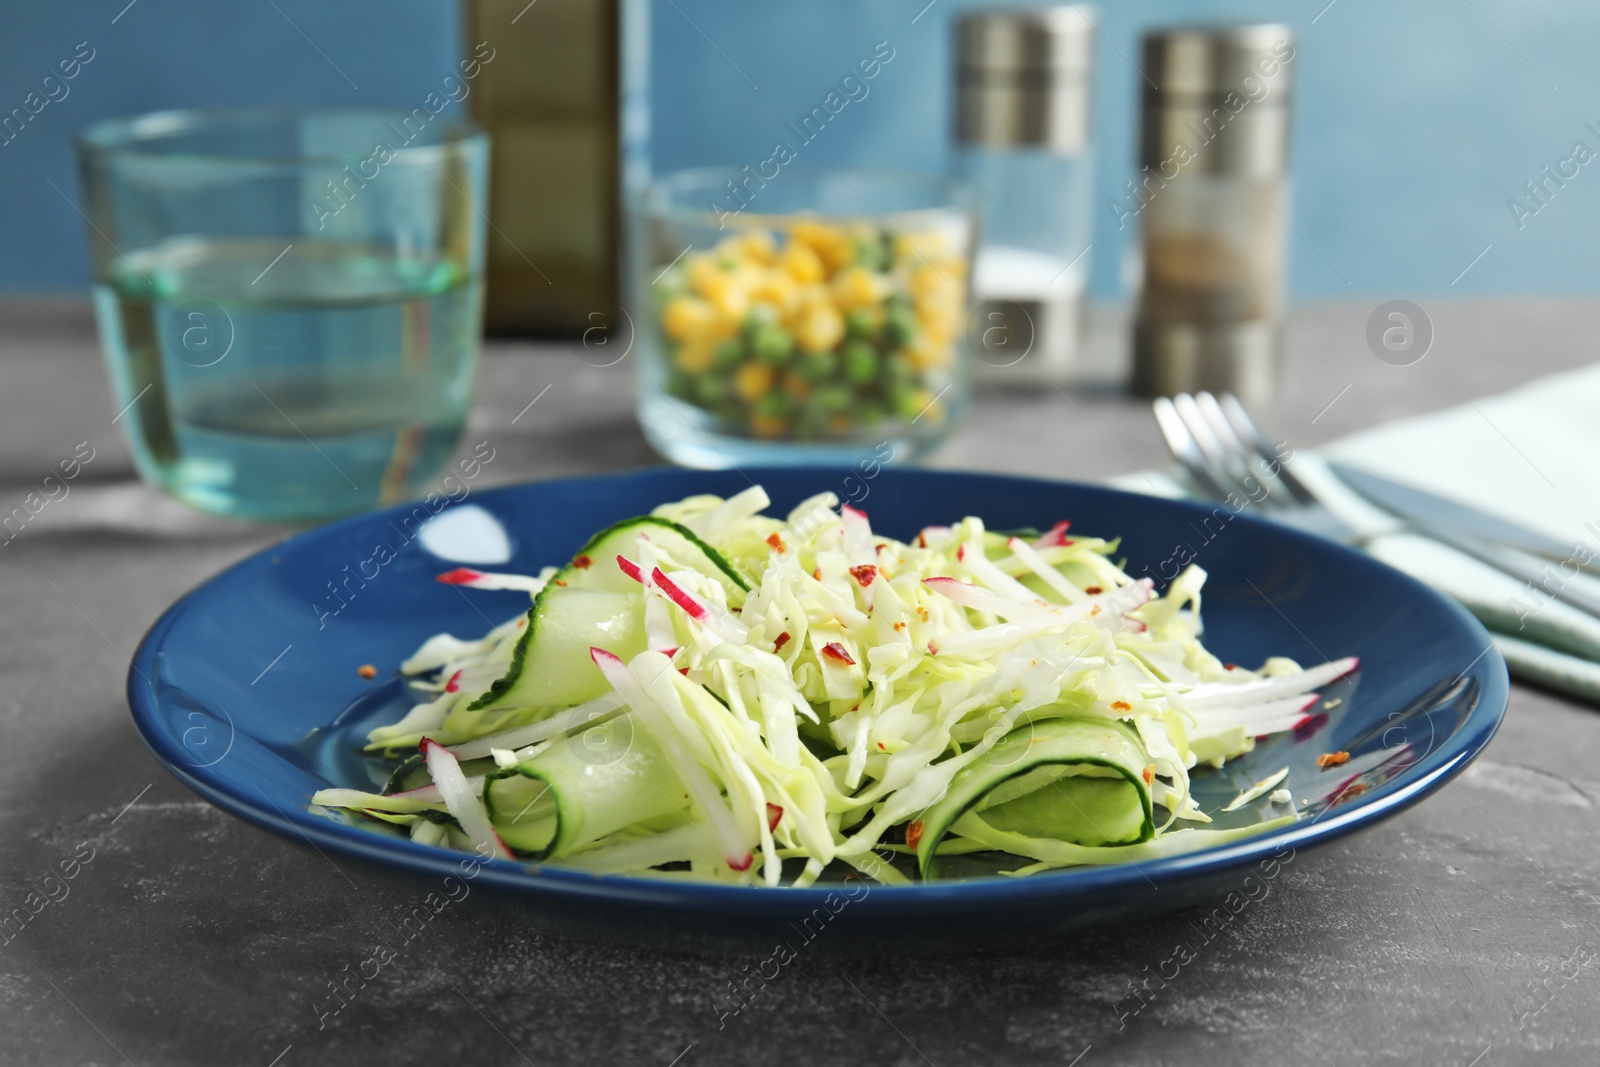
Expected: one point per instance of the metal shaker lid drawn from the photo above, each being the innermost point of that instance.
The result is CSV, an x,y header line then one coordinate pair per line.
x,y
1022,78
1219,95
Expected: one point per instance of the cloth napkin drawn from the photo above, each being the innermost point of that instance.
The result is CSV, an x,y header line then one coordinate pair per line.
x,y
1530,456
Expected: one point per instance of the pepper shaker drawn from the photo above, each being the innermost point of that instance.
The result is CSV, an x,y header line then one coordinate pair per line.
x,y
1023,146
1211,200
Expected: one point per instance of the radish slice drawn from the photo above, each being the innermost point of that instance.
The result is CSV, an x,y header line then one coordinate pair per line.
x,y
461,801
723,625
1221,694
1055,536
1047,574
706,795
481,580
980,599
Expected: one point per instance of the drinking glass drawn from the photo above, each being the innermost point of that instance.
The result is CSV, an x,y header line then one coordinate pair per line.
x,y
290,301
801,317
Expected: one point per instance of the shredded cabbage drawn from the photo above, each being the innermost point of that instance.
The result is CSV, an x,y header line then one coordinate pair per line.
x,y
824,717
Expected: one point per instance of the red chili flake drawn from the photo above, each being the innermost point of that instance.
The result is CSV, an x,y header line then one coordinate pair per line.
x,y
961,552
1333,759
913,833
1149,776
817,574
1350,792
777,542
881,748
683,670
922,540
367,671
774,813
582,563
781,640
1121,705
1093,590
1230,666
835,650
899,626
559,582
864,574
1261,738
1068,541
459,576
454,684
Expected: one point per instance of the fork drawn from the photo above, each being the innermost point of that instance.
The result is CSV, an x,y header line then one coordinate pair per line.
x,y
1231,461
1223,449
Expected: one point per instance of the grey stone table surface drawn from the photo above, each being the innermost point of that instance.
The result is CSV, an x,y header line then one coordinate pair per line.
x,y
1463,932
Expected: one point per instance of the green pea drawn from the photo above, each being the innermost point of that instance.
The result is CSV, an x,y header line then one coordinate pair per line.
x,y
860,362
898,372
870,413
899,326
832,398
908,403
712,390
681,385
858,324
728,354
815,368
774,345
775,405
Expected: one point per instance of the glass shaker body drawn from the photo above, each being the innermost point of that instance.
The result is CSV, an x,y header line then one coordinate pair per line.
x,y
1031,269
1212,200
1022,145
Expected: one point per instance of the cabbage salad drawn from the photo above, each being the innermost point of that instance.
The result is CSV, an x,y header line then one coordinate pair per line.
x,y
711,692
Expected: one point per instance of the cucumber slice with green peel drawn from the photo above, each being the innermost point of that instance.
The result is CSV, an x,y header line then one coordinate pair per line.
x,y
582,788
1080,780
595,564
550,666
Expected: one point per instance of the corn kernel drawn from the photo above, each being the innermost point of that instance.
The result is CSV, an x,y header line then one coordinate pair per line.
x,y
857,287
802,263
695,355
704,272
779,289
753,381
686,316
820,328
759,247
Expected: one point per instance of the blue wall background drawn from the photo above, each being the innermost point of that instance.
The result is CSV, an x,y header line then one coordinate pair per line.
x,y
1414,123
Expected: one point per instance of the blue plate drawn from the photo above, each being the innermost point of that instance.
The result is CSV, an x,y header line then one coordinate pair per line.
x,y
247,689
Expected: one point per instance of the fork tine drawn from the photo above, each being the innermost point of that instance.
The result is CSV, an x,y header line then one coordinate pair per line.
x,y
1181,443
1224,472
1251,433
1238,454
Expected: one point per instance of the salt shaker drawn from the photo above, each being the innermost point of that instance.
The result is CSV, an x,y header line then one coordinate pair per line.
x,y
1023,145
1211,201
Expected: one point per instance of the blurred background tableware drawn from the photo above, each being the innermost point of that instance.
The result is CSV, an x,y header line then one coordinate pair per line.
x,y
548,91
1022,143
289,301
792,317
1211,196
